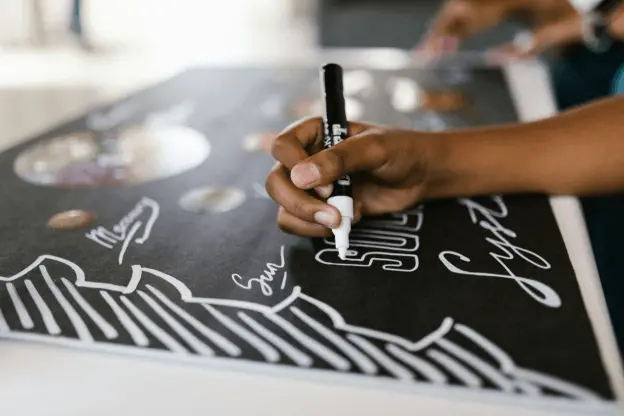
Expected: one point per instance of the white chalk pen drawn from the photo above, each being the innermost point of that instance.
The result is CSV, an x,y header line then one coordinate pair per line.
x,y
335,129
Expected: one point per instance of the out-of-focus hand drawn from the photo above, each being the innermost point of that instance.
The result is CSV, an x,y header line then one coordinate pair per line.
x,y
389,169
460,19
566,30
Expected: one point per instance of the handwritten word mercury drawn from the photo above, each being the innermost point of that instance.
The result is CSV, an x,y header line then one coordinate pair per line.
x,y
125,230
507,251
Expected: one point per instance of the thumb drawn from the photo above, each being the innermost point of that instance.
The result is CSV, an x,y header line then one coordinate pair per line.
x,y
362,152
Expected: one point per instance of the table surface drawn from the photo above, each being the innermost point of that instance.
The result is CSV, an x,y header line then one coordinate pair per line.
x,y
37,379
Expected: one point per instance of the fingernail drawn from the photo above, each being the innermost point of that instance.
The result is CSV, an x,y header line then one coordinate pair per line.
x,y
324,191
325,218
305,174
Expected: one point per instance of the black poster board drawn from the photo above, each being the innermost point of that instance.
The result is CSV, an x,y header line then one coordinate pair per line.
x,y
463,295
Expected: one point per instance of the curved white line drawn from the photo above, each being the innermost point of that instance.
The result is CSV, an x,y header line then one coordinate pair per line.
x,y
339,323
81,328
45,312
4,326
329,356
386,362
107,329
167,340
423,367
137,335
295,354
555,384
496,377
458,370
22,312
225,344
505,362
267,351
361,360
388,260
290,299
182,332
131,233
150,222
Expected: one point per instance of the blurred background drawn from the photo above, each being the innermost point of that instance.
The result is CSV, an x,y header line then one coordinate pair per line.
x,y
58,57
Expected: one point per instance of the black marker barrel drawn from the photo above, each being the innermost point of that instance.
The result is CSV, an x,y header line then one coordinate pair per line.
x,y
335,118
335,130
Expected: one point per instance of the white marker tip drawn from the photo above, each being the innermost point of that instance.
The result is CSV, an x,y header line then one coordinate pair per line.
x,y
342,253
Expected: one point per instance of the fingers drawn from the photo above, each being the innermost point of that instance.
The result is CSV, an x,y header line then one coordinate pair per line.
x,y
526,44
454,23
292,224
291,145
298,202
365,152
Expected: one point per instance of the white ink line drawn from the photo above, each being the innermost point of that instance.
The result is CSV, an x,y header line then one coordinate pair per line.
x,y
488,346
150,223
267,351
137,335
362,361
329,356
167,340
131,233
81,328
185,294
558,385
107,329
495,376
283,285
287,301
298,357
218,339
339,323
22,312
4,326
459,371
386,362
184,333
46,314
423,367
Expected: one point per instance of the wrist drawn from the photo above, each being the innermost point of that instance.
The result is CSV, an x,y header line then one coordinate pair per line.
x,y
480,162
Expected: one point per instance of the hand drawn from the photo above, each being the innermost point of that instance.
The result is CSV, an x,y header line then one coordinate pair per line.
x,y
460,19
389,169
562,32
565,30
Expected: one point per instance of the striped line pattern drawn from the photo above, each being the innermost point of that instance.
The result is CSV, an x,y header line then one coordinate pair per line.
x,y
150,318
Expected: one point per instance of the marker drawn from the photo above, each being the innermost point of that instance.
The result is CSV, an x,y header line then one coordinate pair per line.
x,y
335,131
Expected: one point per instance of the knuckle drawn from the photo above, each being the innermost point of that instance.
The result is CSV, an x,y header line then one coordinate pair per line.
x,y
334,162
298,208
272,181
378,145
278,145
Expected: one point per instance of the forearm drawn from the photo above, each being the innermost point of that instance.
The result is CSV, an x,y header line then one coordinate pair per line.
x,y
580,152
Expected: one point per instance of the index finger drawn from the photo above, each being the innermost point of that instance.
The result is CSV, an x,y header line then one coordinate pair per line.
x,y
292,145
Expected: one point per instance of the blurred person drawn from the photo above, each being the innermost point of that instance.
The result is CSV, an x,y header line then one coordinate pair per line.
x,y
584,68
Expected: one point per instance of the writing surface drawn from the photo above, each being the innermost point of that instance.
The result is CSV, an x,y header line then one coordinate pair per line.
x,y
469,294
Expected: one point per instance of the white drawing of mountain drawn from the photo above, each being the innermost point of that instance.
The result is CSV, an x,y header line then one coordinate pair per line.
x,y
156,310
